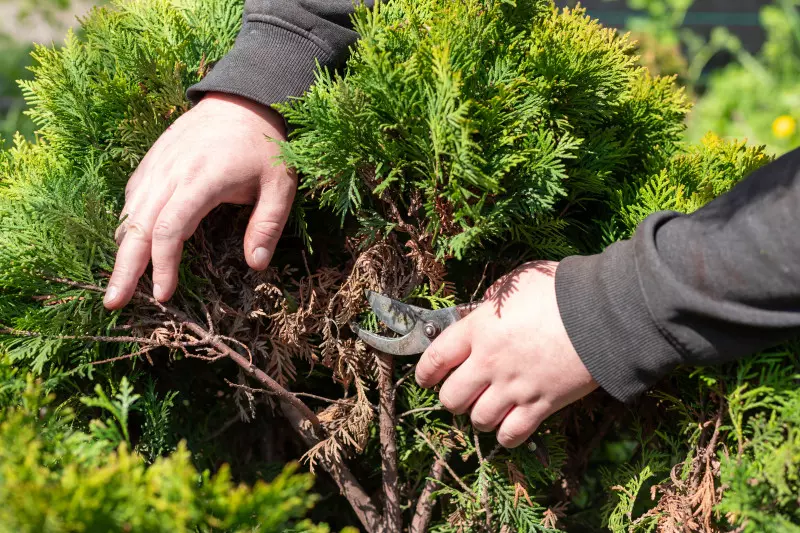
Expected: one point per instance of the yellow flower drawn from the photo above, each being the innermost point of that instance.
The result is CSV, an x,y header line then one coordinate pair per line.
x,y
784,126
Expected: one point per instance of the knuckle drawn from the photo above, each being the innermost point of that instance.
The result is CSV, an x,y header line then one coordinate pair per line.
x,y
164,230
481,422
267,229
435,358
447,402
137,231
507,438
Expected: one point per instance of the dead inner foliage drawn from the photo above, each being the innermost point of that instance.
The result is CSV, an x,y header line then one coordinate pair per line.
x,y
686,505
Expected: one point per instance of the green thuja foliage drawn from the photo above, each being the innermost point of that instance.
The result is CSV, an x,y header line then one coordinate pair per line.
x,y
55,478
460,140
508,110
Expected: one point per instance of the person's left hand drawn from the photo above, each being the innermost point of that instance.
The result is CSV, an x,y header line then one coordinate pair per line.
x,y
514,363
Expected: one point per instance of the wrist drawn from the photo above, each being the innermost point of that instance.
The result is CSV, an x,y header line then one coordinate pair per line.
x,y
609,323
258,112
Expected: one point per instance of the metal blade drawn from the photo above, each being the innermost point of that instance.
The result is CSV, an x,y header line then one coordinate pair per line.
x,y
397,316
413,343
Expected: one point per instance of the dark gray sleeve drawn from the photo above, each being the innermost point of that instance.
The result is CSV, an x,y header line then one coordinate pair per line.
x,y
699,289
277,50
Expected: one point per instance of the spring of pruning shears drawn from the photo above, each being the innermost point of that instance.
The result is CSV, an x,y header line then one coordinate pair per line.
x,y
418,327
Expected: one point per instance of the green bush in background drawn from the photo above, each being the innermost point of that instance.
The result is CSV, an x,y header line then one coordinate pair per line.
x,y
758,96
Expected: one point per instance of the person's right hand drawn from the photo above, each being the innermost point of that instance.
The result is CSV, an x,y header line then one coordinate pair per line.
x,y
218,152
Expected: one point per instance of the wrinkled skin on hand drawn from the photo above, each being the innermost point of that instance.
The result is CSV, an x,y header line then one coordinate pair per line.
x,y
219,152
510,363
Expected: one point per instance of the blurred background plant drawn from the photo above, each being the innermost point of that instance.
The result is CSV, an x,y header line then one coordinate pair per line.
x,y
754,96
23,22
757,96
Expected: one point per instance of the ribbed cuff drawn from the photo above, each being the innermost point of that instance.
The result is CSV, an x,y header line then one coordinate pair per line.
x,y
607,319
268,64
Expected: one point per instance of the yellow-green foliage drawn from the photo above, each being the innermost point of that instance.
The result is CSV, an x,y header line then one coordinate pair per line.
x,y
54,478
690,179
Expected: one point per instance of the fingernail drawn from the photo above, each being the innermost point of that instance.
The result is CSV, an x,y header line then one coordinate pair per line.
x,y
158,292
111,294
261,257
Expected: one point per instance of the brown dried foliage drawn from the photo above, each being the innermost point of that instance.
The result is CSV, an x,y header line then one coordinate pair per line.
x,y
687,505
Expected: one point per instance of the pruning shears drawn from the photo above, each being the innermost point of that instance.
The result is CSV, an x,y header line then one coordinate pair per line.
x,y
418,327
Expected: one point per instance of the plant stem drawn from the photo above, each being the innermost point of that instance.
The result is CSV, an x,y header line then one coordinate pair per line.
x,y
349,487
425,504
392,513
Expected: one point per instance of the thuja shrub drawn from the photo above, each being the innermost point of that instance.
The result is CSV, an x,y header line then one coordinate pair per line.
x,y
461,140
56,478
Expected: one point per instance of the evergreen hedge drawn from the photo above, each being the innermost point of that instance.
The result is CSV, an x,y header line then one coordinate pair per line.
x,y
462,140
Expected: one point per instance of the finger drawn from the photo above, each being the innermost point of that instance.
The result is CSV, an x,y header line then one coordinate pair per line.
x,y
463,387
448,351
273,206
124,216
177,222
143,170
133,255
137,192
519,424
490,409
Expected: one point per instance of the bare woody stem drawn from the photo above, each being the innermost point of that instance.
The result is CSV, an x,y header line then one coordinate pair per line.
x,y
392,516
252,370
300,417
362,504
424,509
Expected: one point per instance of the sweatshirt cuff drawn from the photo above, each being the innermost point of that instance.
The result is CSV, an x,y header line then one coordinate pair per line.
x,y
269,64
606,316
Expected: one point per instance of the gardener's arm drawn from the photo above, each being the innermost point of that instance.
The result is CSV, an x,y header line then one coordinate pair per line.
x,y
276,53
700,289
219,153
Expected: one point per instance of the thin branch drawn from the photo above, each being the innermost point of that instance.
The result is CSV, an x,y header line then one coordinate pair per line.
x,y
439,407
404,378
441,458
89,338
223,428
298,394
480,284
392,513
133,355
484,484
425,503
497,450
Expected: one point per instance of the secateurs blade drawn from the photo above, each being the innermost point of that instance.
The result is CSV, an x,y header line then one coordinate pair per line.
x,y
418,327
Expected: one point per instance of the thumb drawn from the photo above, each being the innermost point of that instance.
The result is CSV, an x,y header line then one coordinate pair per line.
x,y
273,205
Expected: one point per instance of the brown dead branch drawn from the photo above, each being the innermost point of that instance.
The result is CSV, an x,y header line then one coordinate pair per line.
x,y
302,419
425,503
350,488
688,505
393,517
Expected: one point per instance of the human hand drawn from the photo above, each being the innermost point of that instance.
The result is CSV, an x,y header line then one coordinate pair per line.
x,y
514,363
216,153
